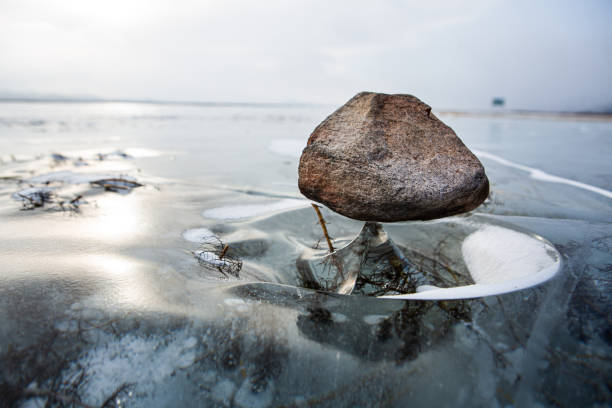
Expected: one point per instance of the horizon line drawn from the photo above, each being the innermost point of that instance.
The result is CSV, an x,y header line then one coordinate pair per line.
x,y
492,110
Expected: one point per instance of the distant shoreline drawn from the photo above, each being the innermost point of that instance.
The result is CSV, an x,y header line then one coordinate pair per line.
x,y
495,113
528,114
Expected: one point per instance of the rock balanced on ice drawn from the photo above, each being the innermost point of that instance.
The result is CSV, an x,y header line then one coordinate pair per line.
x,y
387,158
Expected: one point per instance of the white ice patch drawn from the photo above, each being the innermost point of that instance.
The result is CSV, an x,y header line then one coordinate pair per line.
x,y
541,175
200,235
495,254
373,319
500,260
339,317
234,212
287,147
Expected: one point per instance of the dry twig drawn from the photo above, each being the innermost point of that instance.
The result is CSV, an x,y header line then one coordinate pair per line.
x,y
224,251
323,227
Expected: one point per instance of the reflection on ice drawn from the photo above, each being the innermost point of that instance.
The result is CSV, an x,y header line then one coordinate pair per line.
x,y
401,333
120,219
124,277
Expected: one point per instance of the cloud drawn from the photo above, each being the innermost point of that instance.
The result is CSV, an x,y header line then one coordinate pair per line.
x,y
452,54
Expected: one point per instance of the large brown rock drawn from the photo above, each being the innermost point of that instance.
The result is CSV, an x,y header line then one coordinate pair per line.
x,y
388,158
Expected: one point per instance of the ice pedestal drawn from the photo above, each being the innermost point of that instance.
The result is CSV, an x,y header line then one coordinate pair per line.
x,y
499,260
372,264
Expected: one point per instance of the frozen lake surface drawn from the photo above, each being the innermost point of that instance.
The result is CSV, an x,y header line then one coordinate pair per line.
x,y
113,292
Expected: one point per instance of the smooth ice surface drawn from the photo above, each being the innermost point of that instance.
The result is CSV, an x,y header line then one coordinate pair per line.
x,y
101,295
541,175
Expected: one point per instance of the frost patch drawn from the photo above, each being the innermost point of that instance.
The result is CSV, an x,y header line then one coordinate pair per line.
x,y
143,362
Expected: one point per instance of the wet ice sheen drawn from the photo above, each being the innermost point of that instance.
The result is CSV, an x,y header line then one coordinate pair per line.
x,y
235,212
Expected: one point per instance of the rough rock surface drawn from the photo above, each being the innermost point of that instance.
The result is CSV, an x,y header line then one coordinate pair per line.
x,y
388,158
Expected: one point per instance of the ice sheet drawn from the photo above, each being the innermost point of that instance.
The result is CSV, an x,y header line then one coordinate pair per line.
x,y
287,147
71,311
541,175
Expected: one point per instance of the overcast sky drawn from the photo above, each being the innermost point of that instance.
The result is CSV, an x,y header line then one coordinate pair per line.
x,y
549,55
